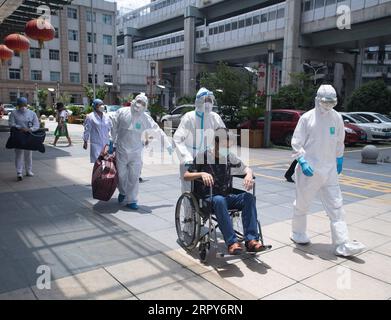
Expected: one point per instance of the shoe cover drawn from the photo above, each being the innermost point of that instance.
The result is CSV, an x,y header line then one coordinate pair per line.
x,y
300,238
349,248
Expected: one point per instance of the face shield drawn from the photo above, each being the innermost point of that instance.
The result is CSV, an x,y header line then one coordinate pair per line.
x,y
205,100
140,104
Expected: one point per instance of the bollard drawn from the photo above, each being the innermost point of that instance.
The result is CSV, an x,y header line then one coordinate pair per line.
x,y
369,154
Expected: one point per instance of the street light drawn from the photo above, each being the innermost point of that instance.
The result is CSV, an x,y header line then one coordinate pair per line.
x,y
220,90
161,93
316,69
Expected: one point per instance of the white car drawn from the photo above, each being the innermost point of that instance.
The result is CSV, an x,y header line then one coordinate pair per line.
x,y
8,108
376,132
374,117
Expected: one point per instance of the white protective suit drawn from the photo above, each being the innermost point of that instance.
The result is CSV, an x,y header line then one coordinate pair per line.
x,y
24,119
196,132
97,130
319,139
129,126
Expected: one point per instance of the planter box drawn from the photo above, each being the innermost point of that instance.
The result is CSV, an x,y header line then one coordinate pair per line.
x,y
256,138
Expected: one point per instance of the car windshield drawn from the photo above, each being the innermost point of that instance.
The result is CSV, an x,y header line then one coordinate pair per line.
x,y
113,108
359,118
383,117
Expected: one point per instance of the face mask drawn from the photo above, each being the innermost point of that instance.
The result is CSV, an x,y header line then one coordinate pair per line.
x,y
101,108
327,106
23,109
208,107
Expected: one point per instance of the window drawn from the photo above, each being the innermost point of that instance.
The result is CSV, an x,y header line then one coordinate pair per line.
x,y
73,56
35,53
108,78
256,20
74,77
90,58
36,75
90,78
221,29
282,116
241,24
319,4
215,30
107,39
308,5
227,27
14,74
210,31
280,13
54,54
330,2
249,22
55,76
263,17
234,25
88,16
108,59
89,37
72,13
75,98
107,19
72,35
13,97
272,15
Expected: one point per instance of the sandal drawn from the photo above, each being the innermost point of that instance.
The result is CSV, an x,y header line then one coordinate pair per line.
x,y
235,249
256,246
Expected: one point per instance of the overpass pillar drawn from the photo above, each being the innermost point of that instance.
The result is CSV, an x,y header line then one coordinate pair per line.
x,y
189,66
128,41
358,67
291,61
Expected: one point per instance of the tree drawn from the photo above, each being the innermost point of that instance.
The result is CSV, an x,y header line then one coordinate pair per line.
x,y
373,96
100,93
42,97
65,98
298,95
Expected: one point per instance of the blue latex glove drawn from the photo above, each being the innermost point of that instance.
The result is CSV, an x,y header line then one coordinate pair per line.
x,y
307,170
339,165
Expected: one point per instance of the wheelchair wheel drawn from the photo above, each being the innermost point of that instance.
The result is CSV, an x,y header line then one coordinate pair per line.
x,y
187,221
203,249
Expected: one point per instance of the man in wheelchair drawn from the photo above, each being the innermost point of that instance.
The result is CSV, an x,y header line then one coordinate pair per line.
x,y
213,168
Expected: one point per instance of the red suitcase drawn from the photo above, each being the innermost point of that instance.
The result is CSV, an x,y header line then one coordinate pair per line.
x,y
104,176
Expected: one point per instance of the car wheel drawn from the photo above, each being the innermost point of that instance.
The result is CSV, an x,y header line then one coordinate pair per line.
x,y
288,139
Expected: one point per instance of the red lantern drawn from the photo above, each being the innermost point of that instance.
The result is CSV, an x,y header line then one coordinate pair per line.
x,y
17,42
5,53
40,30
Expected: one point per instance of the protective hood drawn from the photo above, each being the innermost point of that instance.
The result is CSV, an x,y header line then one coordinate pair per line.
x,y
326,98
139,105
205,101
96,103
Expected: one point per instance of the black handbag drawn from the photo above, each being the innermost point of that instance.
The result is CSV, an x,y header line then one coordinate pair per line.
x,y
27,140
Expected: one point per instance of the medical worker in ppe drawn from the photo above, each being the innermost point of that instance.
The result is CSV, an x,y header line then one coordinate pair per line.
x,y
129,126
24,120
196,132
318,145
97,127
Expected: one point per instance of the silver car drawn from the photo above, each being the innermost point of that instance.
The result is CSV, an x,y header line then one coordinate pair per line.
x,y
8,108
374,117
375,131
173,119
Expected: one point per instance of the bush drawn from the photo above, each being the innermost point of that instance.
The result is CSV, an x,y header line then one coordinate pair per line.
x,y
231,115
156,111
373,96
75,110
252,114
48,112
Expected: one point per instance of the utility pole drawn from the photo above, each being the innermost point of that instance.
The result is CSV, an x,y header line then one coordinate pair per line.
x,y
268,112
93,50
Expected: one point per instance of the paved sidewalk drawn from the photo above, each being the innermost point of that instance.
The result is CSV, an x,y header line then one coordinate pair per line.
x,y
98,250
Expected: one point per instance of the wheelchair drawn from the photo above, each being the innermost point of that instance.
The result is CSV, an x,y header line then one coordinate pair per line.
x,y
196,224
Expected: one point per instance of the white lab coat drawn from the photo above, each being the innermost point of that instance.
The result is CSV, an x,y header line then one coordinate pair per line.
x,y
97,129
128,135
20,120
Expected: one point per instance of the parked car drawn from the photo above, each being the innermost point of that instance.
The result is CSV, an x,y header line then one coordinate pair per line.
x,y
8,108
354,134
112,108
284,122
374,117
176,115
376,132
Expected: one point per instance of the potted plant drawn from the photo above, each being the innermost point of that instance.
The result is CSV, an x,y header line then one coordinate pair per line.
x,y
73,118
252,114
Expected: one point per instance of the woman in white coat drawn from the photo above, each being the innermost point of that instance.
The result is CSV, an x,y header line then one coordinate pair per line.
x,y
97,127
